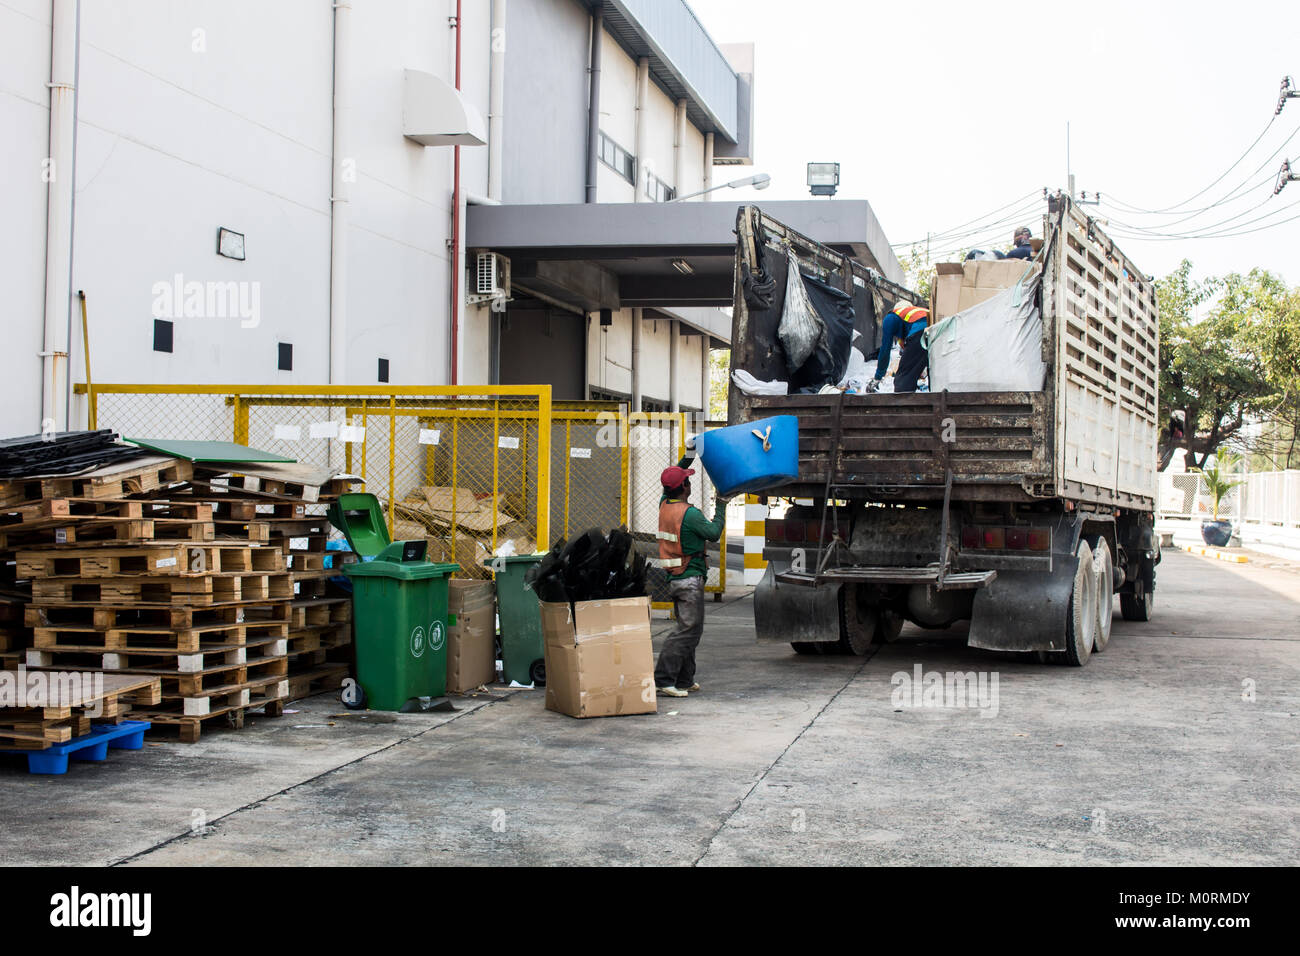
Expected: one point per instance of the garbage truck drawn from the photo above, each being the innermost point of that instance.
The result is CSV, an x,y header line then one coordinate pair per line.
x,y
1016,494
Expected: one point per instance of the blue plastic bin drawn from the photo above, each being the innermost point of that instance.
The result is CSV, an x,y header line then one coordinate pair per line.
x,y
739,460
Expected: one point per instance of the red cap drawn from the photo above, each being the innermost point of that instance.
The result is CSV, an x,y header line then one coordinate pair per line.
x,y
672,477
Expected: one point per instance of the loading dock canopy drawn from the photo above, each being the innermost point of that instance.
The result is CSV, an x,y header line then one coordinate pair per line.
x,y
675,256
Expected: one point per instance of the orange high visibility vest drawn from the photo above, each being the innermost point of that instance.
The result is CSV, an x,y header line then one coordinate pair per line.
x,y
911,315
671,516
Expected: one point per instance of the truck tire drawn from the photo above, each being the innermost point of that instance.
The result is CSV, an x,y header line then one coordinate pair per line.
x,y
1105,571
859,623
815,647
1138,605
1081,620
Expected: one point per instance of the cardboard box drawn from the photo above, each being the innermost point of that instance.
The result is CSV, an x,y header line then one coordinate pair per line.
x,y
471,632
960,285
470,554
599,659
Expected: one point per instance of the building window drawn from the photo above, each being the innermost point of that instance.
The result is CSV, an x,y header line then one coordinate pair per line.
x,y
600,395
617,158
162,335
657,190
286,356
383,370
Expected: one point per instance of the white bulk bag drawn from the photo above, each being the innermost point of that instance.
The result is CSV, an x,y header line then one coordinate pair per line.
x,y
995,346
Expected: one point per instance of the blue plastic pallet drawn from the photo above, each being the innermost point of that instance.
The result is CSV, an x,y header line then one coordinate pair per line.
x,y
128,735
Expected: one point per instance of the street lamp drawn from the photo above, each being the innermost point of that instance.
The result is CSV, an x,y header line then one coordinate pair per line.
x,y
758,181
823,178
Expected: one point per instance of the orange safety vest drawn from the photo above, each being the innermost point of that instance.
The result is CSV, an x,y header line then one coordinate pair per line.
x,y
912,314
672,514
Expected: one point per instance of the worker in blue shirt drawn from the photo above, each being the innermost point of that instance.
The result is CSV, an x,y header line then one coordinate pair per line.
x,y
1022,249
905,322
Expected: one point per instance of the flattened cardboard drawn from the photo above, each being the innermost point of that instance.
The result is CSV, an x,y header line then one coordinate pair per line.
x,y
471,652
960,285
599,657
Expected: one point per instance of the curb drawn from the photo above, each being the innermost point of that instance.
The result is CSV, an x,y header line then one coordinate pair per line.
x,y
1215,553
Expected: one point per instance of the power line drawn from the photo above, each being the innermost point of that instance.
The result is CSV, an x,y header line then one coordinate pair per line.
x,y
943,236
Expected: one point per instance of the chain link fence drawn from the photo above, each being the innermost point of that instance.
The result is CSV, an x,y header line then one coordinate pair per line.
x,y
1267,498
477,469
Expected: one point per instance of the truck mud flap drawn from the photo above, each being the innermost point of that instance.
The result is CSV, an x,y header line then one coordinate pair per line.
x,y
785,613
1024,610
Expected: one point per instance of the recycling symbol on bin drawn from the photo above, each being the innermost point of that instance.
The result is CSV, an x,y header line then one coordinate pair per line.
x,y
436,635
418,641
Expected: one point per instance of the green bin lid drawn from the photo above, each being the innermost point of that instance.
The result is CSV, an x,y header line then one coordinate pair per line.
x,y
411,571
389,564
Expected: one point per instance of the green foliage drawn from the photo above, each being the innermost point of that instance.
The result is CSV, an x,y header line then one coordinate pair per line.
x,y
719,379
1212,367
918,272
1216,481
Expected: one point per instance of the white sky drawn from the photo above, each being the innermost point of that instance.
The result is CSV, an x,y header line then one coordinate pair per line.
x,y
940,112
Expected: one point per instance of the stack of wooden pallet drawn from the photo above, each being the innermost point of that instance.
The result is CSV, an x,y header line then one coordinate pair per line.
x,y
168,569
51,716
283,506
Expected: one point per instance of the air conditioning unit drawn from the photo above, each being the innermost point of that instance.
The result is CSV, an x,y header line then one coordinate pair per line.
x,y
491,278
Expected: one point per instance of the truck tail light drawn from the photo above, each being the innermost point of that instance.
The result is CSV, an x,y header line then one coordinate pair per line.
x,y
1006,539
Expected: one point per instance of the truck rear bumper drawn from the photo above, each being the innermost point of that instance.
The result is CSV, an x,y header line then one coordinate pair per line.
x,y
887,575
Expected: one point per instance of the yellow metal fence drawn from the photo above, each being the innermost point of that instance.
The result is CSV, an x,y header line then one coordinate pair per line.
x,y
482,468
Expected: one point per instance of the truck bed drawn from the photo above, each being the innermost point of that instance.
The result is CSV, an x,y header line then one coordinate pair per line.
x,y
1088,436
890,446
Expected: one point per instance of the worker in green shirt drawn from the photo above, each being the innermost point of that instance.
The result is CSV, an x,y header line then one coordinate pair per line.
x,y
683,531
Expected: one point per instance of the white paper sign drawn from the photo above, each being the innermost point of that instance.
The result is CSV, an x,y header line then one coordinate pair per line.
x,y
165,563
430,436
506,441
352,433
288,433
324,430
579,452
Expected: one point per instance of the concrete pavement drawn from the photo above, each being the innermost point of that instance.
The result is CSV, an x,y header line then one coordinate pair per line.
x,y
1150,754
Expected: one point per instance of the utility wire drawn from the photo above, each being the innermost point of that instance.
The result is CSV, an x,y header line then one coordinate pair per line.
x,y
1218,179
945,234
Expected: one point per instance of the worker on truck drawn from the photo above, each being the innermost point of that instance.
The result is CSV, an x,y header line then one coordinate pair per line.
x,y
905,322
1022,248
683,531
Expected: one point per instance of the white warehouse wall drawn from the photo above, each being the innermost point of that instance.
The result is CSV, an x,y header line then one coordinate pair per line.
x,y
25,126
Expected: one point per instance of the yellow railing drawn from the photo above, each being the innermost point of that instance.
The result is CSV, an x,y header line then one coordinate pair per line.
x,y
500,462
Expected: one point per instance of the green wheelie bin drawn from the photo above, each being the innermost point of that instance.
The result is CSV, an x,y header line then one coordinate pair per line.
x,y
522,656
400,621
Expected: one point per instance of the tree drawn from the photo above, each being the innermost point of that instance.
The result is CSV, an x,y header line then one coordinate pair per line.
x,y
918,272
1211,368
719,380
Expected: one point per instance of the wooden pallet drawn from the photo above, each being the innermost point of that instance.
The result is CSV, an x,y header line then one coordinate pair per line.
x,y
170,560
162,661
206,590
319,612
230,709
317,680
152,474
104,617
67,710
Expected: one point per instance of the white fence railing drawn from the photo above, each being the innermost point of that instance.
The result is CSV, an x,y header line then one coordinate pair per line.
x,y
1267,497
